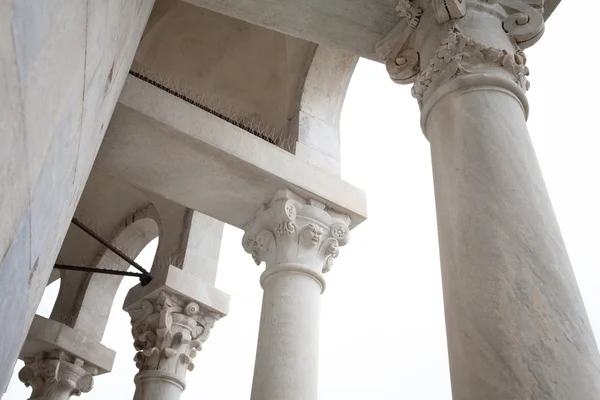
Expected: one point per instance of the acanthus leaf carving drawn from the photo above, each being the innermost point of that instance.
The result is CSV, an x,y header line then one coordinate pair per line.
x,y
459,55
402,59
411,11
167,336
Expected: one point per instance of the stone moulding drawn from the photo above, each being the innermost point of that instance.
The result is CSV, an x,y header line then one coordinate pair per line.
x,y
460,55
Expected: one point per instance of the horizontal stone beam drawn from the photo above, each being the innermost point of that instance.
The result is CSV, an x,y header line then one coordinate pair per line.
x,y
47,335
167,146
354,26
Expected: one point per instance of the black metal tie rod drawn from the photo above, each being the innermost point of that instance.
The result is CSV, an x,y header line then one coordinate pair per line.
x,y
144,275
97,270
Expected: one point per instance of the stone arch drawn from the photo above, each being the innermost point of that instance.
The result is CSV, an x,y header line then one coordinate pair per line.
x,y
49,298
97,293
320,108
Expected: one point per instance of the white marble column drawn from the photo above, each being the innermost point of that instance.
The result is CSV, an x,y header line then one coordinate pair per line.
x,y
171,318
298,241
60,361
516,324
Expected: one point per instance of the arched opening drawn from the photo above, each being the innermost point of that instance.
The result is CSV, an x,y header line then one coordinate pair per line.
x,y
85,303
117,336
97,303
48,299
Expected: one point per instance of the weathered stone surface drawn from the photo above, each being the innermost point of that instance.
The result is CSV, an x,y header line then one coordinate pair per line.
x,y
58,91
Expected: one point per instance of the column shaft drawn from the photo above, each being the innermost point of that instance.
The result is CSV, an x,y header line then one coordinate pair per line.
x,y
288,342
516,323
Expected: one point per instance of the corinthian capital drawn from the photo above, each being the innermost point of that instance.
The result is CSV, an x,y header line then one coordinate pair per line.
x,y
57,375
293,231
490,33
168,330
454,45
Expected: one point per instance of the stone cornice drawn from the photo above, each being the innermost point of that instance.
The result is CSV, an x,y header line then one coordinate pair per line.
x,y
292,234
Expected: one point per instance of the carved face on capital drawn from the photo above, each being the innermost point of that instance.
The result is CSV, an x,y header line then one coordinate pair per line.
x,y
312,234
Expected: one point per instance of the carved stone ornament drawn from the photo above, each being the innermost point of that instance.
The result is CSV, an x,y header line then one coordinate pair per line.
x,y
446,10
460,55
57,375
168,331
291,231
525,21
522,21
402,61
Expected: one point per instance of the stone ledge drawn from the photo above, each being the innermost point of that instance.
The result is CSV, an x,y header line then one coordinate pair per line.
x,y
176,281
46,335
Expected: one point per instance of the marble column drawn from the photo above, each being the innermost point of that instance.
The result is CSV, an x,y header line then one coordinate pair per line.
x,y
298,241
60,361
171,318
516,324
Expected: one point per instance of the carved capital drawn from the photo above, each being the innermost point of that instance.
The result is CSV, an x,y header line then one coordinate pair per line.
x,y
168,331
460,55
292,231
410,56
57,375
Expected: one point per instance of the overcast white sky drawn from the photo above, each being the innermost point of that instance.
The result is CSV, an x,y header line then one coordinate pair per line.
x,y
382,324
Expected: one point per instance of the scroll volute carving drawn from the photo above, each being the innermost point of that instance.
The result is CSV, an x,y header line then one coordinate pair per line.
x,y
402,59
525,21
